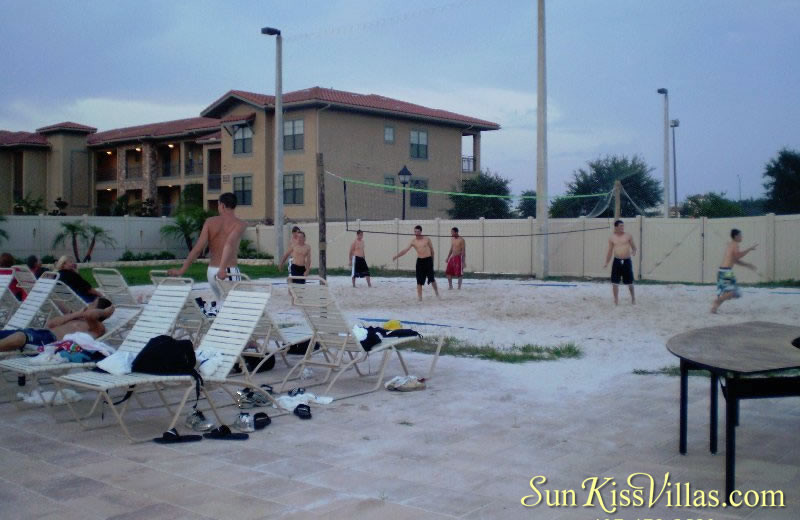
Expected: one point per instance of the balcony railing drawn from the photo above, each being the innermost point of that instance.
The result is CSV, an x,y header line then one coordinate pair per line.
x,y
194,167
168,169
106,174
133,172
467,164
214,182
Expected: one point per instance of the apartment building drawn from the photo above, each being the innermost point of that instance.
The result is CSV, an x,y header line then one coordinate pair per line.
x,y
230,148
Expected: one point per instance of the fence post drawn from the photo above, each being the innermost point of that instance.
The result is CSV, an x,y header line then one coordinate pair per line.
x,y
640,220
483,244
126,233
582,220
322,232
617,199
397,242
41,235
770,247
703,223
533,244
438,242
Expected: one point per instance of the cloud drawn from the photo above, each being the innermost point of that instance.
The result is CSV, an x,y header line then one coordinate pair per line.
x,y
102,113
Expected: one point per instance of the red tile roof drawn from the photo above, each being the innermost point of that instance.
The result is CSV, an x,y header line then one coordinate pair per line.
x,y
8,139
368,102
239,117
180,127
68,126
214,136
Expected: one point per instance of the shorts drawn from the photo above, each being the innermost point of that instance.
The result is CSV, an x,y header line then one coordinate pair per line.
x,y
425,270
622,270
726,282
360,268
297,270
454,267
35,337
211,274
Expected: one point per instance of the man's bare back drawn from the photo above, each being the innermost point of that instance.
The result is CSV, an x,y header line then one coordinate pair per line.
x,y
219,229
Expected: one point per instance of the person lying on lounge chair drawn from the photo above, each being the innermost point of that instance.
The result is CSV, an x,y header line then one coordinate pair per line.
x,y
88,320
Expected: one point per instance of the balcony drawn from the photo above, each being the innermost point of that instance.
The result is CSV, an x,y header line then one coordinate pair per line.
x,y
214,182
169,169
193,168
106,174
133,172
467,164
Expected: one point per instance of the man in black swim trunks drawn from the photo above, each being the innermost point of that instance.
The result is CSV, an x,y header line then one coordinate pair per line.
x,y
300,252
424,248
621,245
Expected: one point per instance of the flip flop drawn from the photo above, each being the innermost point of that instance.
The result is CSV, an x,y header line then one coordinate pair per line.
x,y
297,391
173,437
261,421
303,411
267,389
224,433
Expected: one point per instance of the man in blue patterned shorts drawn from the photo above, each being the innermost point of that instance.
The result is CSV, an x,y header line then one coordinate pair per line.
x,y
726,281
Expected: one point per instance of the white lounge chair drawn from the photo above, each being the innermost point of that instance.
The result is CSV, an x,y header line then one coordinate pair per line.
x,y
8,302
25,277
113,286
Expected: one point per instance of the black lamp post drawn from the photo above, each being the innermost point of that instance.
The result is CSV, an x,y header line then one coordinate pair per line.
x,y
674,123
405,178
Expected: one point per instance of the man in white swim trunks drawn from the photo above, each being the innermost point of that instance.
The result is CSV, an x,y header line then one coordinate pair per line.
x,y
222,235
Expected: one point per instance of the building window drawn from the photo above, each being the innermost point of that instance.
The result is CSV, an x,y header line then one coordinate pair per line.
x,y
419,199
243,189
388,181
419,144
293,188
243,140
388,134
293,135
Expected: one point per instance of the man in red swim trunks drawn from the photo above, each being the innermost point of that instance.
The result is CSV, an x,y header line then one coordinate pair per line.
x,y
456,259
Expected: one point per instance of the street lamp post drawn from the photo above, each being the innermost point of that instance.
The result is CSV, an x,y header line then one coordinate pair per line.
x,y
666,150
405,178
675,123
278,169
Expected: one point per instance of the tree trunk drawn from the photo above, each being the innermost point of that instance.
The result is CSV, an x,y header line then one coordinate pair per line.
x,y
88,257
75,247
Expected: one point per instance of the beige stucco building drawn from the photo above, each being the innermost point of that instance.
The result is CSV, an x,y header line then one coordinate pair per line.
x,y
230,148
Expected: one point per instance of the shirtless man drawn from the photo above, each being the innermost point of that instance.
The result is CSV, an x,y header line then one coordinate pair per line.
x,y
222,235
622,246
357,259
424,248
726,281
88,320
292,242
456,259
300,252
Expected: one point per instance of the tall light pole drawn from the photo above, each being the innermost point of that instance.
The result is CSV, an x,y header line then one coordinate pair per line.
x,y
541,147
278,169
666,150
739,177
675,123
405,178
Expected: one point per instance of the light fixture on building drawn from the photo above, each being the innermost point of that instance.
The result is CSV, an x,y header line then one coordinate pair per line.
x,y
138,149
169,185
171,145
108,189
108,152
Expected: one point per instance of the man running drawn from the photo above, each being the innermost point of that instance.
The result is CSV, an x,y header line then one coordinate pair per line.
x,y
357,259
424,248
621,245
222,235
300,252
456,259
726,281
88,320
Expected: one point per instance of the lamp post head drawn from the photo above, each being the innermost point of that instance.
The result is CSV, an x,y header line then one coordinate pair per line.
x,y
405,175
674,123
271,31
662,91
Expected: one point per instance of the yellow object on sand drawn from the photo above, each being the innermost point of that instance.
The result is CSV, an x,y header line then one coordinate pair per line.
x,y
393,325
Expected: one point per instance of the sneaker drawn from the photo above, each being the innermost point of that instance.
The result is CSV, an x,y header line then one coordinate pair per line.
x,y
198,422
244,423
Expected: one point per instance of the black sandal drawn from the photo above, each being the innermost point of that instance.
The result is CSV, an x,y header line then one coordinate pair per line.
x,y
173,437
303,411
224,433
261,421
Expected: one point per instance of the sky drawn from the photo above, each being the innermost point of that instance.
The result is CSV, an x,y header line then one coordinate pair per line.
x,y
729,66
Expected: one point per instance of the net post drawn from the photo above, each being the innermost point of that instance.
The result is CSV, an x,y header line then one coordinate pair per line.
x,y
438,241
532,249
397,242
617,199
483,244
323,245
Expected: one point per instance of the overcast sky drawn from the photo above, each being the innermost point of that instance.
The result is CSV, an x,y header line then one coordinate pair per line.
x,y
730,67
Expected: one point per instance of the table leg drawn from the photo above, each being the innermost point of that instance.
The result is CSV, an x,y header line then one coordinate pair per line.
x,y
683,406
714,407
731,406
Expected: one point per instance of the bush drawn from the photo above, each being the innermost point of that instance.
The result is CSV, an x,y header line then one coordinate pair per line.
x,y
48,259
246,250
129,256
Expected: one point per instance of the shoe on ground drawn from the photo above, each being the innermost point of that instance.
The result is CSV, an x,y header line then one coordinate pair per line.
x,y
244,423
198,422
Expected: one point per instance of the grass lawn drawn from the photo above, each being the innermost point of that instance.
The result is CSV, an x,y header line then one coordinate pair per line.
x,y
140,274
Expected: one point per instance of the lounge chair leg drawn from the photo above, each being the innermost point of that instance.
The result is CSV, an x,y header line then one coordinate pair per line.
x,y
436,357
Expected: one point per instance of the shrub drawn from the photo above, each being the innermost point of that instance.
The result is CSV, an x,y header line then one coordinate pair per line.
x,y
246,250
129,256
48,259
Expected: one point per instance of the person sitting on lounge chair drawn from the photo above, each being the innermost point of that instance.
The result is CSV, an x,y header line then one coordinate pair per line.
x,y
88,320
68,273
35,265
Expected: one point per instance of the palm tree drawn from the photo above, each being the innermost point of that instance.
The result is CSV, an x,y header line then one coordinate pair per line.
x,y
98,234
188,223
73,230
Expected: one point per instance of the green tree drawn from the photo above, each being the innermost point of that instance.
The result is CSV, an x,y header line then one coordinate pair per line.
x,y
599,178
526,207
27,205
782,183
97,234
485,183
188,222
711,205
74,230
753,207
